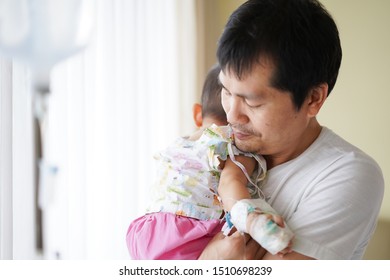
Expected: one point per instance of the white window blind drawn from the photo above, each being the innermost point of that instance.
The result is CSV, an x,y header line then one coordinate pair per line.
x,y
112,107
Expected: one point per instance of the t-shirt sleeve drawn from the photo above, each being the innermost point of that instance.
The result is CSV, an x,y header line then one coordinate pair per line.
x,y
337,215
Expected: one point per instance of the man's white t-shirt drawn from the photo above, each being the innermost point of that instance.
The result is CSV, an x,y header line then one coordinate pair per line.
x,y
329,196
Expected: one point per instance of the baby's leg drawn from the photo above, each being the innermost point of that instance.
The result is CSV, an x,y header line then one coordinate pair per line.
x,y
257,218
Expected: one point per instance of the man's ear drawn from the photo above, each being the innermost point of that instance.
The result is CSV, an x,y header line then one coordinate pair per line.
x,y
317,98
197,113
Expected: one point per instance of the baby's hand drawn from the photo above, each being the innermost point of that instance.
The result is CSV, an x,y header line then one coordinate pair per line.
x,y
280,222
267,234
286,250
277,219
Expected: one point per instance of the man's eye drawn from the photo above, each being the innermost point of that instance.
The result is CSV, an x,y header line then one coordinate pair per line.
x,y
253,105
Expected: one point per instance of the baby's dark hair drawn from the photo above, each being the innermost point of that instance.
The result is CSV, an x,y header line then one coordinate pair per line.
x,y
211,95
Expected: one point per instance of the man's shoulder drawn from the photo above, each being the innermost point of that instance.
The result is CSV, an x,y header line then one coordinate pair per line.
x,y
342,157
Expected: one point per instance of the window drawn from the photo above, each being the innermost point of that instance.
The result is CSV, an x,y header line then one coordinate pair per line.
x,y
127,95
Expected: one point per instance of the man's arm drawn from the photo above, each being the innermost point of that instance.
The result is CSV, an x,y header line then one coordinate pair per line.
x,y
237,246
289,256
240,246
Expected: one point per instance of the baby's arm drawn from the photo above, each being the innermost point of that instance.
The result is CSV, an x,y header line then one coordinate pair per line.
x,y
232,188
233,182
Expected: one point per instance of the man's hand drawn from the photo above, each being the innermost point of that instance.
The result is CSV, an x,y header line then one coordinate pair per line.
x,y
237,246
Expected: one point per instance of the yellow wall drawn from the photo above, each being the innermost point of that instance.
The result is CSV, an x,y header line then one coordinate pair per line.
x,y
359,107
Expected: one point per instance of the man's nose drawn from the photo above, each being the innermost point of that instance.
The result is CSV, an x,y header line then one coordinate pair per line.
x,y
236,111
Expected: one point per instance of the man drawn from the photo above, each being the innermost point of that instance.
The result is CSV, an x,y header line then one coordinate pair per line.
x,y
280,60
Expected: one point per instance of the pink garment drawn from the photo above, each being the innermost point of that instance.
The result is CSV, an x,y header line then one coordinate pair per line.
x,y
166,236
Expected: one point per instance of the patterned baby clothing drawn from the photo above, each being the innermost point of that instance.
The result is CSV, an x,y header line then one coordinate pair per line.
x,y
189,172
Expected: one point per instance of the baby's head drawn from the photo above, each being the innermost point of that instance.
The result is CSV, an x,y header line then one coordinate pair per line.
x,y
210,110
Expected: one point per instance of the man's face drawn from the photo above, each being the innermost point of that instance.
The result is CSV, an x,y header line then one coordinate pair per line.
x,y
264,119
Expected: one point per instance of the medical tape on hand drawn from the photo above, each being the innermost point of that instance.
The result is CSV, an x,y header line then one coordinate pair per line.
x,y
239,214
